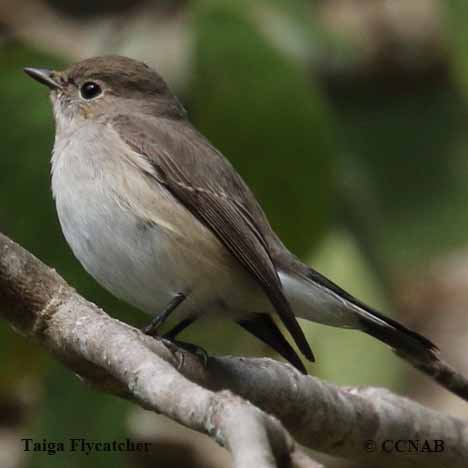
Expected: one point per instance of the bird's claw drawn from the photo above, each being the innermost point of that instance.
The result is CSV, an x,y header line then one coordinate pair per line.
x,y
176,346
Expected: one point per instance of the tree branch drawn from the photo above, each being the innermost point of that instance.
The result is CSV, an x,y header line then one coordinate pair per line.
x,y
121,360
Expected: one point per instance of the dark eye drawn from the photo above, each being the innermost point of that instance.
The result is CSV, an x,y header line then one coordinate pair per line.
x,y
90,90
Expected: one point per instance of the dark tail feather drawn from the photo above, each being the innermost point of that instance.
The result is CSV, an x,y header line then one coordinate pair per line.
x,y
418,351
409,345
404,341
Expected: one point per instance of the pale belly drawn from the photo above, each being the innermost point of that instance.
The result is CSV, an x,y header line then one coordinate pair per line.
x,y
146,253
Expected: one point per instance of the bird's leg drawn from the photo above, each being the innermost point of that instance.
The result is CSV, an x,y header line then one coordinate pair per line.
x,y
181,326
169,337
161,317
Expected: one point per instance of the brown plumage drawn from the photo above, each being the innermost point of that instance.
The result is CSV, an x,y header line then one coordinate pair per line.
x,y
133,114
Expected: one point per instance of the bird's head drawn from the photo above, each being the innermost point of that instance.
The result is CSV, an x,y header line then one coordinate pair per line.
x,y
100,87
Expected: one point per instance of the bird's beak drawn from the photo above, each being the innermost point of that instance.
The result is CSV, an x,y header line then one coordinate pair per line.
x,y
44,77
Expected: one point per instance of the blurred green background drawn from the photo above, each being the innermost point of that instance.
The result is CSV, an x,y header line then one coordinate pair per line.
x,y
348,119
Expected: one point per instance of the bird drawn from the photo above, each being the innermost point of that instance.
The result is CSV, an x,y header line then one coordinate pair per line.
x,y
161,219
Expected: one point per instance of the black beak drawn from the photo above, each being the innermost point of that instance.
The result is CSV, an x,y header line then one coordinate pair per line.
x,y
44,77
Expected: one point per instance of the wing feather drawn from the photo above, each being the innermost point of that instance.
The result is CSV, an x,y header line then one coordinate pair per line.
x,y
205,183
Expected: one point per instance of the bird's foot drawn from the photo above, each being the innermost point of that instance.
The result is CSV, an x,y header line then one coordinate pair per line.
x,y
176,347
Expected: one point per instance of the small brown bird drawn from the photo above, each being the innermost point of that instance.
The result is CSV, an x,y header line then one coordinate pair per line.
x,y
161,219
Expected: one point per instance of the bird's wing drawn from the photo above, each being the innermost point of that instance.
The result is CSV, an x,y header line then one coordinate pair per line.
x,y
205,183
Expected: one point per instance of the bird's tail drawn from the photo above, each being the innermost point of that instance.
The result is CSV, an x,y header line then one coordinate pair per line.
x,y
402,340
314,297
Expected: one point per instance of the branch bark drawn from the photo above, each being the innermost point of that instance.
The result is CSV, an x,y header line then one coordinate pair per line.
x,y
253,407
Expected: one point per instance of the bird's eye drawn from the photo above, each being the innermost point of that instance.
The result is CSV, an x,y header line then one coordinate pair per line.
x,y
90,90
